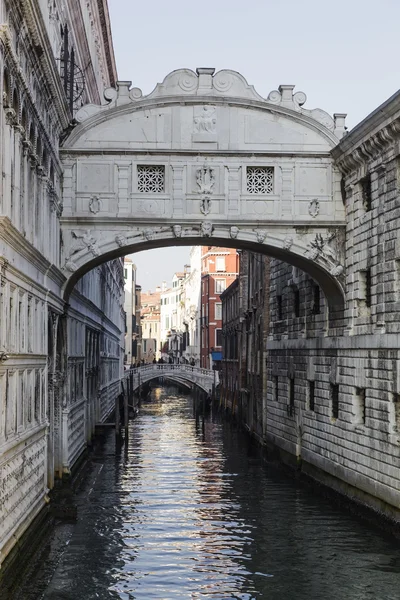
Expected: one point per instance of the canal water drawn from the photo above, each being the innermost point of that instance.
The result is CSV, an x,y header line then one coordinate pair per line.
x,y
188,510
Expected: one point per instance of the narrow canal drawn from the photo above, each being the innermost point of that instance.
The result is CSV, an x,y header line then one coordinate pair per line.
x,y
189,511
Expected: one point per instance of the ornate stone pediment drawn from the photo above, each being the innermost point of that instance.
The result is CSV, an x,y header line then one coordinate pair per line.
x,y
206,83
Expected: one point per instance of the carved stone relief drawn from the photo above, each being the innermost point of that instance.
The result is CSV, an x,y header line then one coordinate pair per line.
x,y
234,231
313,208
95,205
328,249
177,230
120,240
81,241
205,125
205,178
11,116
148,234
206,229
261,234
287,242
71,266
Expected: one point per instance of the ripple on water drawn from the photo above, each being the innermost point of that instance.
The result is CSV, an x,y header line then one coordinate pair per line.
x,y
186,511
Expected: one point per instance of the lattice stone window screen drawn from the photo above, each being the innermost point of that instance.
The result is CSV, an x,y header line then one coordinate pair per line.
x,y
151,178
260,180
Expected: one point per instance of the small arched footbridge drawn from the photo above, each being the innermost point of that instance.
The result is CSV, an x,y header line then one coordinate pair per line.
x,y
203,378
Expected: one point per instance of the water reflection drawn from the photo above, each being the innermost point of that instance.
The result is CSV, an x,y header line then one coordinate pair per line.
x,y
188,511
182,531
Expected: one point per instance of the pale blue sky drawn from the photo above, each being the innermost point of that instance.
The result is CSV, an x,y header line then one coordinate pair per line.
x,y
342,54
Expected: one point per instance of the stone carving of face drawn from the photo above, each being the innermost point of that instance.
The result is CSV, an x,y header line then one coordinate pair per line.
x,y
120,240
261,235
234,231
206,229
177,230
148,234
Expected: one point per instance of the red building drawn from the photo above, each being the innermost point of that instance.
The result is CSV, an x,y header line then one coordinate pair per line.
x,y
219,268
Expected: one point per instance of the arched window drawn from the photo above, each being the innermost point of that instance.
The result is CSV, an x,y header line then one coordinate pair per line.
x,y
51,173
24,120
45,161
15,103
39,149
6,89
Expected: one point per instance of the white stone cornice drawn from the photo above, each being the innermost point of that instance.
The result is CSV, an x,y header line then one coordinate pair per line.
x,y
367,141
186,86
105,26
11,235
5,38
91,115
38,32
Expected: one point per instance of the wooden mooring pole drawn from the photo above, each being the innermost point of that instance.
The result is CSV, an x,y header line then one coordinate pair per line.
x,y
126,415
117,418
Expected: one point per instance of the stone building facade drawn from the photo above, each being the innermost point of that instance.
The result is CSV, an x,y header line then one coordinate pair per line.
x,y
333,380
60,358
219,268
131,309
245,326
150,318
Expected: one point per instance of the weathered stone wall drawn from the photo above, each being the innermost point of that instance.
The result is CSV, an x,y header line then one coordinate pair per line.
x,y
333,400
55,379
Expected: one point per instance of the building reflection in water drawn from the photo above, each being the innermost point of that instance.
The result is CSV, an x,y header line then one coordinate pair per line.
x,y
181,525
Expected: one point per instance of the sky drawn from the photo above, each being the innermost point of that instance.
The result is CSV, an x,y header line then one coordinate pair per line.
x,y
342,54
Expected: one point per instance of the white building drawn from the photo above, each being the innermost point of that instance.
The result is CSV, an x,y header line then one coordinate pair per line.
x,y
60,355
130,308
150,320
191,288
171,316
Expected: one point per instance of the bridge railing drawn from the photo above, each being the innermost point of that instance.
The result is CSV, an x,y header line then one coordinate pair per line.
x,y
192,372
170,367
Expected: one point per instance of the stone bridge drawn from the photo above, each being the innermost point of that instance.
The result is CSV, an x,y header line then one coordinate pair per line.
x,y
204,159
203,378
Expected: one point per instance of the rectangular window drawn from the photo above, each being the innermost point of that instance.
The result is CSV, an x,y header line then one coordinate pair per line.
x,y
290,406
396,412
311,395
335,400
218,337
220,286
359,406
368,294
279,308
125,273
316,300
151,178
366,192
296,302
218,311
260,180
276,388
220,263
365,288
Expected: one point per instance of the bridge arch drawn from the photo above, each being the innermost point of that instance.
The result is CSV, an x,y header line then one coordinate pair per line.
x,y
202,378
204,159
